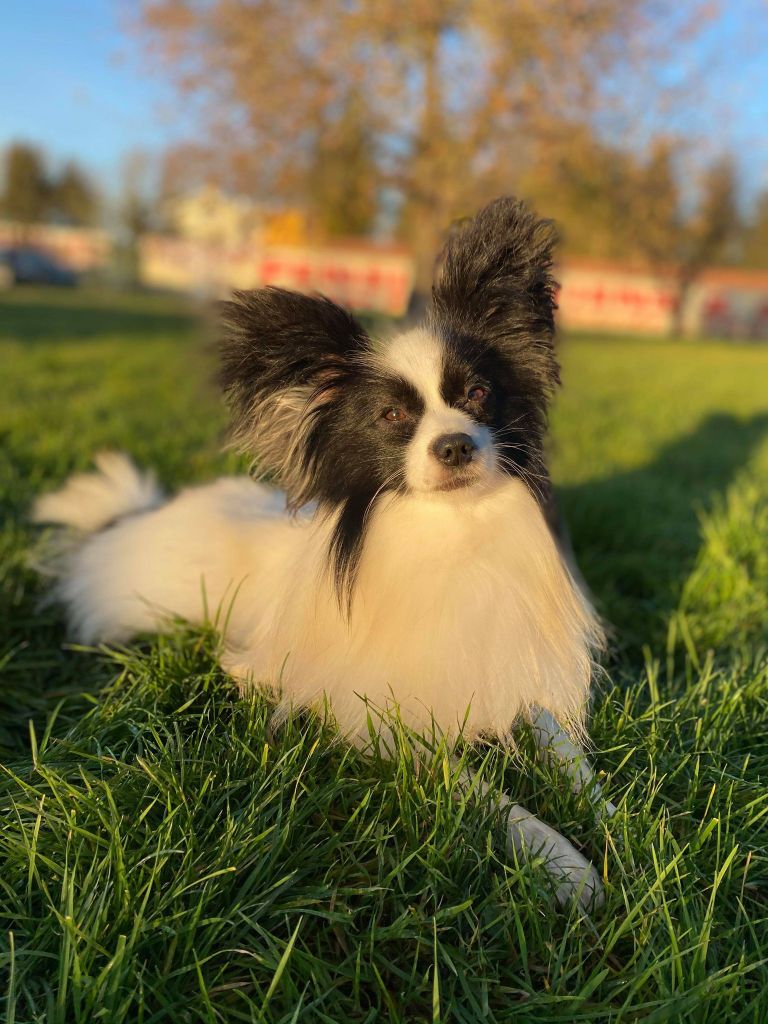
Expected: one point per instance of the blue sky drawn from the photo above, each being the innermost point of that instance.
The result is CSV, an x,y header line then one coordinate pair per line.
x,y
73,80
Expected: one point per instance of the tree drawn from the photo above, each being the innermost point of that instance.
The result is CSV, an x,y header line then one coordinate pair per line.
x,y
659,232
343,179
587,190
709,233
138,198
459,98
137,209
73,197
26,193
656,226
755,238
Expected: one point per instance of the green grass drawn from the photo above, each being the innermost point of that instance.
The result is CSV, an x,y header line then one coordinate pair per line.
x,y
164,857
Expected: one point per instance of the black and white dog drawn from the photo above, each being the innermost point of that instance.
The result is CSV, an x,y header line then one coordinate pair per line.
x,y
418,568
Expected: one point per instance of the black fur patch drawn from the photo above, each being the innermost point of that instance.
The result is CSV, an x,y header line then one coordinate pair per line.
x,y
511,413
276,342
354,455
493,303
298,366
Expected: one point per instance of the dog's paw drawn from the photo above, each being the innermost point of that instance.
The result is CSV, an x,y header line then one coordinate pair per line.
x,y
573,876
578,882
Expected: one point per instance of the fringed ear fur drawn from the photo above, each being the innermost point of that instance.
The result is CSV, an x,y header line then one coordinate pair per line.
x,y
282,355
494,284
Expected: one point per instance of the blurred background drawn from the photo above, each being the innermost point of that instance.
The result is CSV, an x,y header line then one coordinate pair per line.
x,y
155,155
166,855
192,146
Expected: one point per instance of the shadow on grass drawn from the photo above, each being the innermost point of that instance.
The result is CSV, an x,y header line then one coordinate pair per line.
x,y
636,534
36,314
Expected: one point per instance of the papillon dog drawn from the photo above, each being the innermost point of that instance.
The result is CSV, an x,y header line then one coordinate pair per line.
x,y
408,561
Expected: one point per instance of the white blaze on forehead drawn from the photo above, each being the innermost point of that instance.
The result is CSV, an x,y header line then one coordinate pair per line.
x,y
418,357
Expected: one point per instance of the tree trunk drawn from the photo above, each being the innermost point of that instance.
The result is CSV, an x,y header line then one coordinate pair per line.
x,y
684,283
428,209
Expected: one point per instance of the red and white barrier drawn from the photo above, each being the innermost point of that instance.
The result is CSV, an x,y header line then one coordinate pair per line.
x,y
363,277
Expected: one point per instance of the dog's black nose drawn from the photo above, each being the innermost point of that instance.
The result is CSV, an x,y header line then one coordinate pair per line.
x,y
454,449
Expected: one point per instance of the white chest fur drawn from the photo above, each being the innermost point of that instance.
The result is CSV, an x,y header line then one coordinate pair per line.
x,y
463,612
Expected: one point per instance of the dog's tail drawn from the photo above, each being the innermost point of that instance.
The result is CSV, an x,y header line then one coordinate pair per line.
x,y
90,501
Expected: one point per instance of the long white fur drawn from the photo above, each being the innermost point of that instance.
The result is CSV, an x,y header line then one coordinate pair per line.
x,y
464,616
463,612
463,609
90,501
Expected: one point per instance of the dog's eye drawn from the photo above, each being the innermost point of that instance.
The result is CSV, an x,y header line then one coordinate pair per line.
x,y
477,393
394,414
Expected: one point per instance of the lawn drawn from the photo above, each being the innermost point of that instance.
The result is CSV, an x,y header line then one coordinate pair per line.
x,y
166,857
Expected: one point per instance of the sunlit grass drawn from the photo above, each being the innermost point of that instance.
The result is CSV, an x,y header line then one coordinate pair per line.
x,y
165,856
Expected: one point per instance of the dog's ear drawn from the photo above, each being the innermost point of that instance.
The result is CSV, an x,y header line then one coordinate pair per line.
x,y
283,356
494,284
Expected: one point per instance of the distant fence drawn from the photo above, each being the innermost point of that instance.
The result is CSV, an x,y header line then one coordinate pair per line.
x,y
722,302
592,296
361,276
81,249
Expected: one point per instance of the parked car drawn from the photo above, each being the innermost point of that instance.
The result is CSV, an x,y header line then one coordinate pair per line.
x,y
23,264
